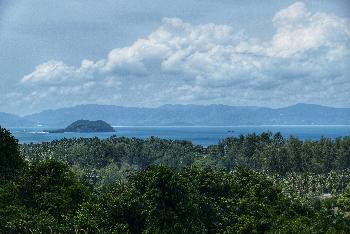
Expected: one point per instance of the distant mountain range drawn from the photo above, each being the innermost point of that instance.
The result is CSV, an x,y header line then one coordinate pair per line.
x,y
185,115
10,120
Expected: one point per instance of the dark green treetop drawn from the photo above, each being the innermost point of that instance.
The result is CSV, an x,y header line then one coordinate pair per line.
x,y
11,161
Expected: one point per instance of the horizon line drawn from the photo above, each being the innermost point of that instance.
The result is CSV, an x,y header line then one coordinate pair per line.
x,y
163,105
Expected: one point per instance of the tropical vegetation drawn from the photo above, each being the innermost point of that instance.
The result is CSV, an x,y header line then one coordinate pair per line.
x,y
248,184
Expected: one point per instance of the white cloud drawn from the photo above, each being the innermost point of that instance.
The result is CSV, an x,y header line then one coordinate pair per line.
x,y
293,15
185,63
299,31
51,71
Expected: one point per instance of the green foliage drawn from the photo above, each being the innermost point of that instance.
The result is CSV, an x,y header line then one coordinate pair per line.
x,y
11,161
344,201
161,200
44,198
90,217
265,152
50,186
273,154
248,184
156,200
86,126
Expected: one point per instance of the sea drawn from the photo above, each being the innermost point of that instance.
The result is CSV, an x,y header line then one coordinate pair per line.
x,y
199,135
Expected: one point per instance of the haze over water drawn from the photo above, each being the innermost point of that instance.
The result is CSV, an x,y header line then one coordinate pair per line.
x,y
201,135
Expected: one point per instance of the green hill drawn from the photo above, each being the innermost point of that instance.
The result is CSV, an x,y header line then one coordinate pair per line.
x,y
86,126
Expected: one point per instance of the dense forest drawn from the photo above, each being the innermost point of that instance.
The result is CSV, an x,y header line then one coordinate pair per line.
x,y
248,184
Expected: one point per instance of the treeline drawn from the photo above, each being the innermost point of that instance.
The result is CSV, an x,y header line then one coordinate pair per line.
x,y
274,154
122,185
264,152
111,159
307,168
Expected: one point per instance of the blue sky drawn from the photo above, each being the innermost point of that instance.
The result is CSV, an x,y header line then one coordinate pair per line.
x,y
147,53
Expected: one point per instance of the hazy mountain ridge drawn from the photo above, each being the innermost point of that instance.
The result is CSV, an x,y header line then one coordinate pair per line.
x,y
298,114
11,120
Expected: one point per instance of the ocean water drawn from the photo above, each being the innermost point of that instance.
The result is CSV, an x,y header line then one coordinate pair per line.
x,y
201,135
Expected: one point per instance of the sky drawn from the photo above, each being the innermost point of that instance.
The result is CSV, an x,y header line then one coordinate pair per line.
x,y
142,53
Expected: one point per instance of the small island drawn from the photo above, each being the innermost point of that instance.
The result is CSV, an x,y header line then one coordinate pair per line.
x,y
86,126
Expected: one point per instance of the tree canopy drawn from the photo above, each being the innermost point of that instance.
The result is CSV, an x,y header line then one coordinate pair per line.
x,y
248,184
11,162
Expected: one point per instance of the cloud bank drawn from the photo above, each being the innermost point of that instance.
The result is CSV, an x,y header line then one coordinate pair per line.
x,y
306,60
